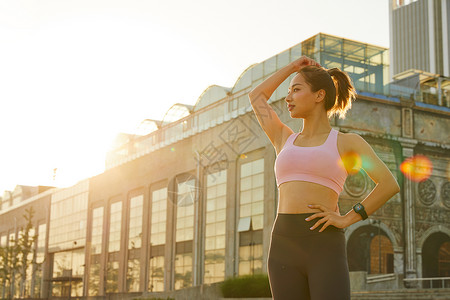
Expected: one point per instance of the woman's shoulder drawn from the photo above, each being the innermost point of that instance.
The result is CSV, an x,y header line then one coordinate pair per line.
x,y
350,141
349,135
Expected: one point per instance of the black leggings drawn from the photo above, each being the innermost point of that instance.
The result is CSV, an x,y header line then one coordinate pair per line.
x,y
307,264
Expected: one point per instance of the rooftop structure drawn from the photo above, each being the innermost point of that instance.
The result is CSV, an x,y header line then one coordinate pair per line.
x,y
367,65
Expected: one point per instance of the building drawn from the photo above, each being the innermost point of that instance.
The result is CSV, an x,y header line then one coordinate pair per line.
x,y
420,36
419,47
193,201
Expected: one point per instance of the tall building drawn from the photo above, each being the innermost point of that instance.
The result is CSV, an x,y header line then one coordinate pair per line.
x,y
420,36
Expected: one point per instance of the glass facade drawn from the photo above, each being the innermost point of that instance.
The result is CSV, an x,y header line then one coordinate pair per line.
x,y
157,240
94,276
97,231
251,217
68,217
135,227
133,272
96,250
29,271
40,257
112,277
184,233
68,270
115,226
216,187
136,210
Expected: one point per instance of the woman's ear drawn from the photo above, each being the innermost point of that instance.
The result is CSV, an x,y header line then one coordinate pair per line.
x,y
320,95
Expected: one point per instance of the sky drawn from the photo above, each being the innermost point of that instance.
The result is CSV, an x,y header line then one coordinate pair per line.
x,y
73,74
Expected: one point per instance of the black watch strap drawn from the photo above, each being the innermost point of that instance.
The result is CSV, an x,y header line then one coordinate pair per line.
x,y
359,209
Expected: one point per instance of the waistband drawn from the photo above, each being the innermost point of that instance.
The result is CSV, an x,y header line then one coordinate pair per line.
x,y
296,225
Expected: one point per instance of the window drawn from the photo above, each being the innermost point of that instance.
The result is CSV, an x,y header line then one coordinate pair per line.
x,y
381,255
115,227
251,217
157,240
184,233
97,231
216,185
96,250
40,256
68,217
68,270
135,219
112,272
134,242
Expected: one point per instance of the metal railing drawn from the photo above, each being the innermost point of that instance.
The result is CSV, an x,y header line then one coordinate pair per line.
x,y
380,278
440,282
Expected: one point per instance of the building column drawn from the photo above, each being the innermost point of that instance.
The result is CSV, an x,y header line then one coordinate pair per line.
x,y
409,225
398,260
445,38
197,243
231,219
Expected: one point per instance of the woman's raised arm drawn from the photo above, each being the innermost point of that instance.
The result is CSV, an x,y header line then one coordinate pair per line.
x,y
267,117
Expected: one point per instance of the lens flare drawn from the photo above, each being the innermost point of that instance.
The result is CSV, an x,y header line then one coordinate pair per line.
x,y
417,168
172,149
352,162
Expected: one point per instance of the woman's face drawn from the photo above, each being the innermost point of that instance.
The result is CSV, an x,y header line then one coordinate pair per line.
x,y
301,101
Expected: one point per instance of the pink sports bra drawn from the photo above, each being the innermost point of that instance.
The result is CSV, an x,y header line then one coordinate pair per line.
x,y
321,164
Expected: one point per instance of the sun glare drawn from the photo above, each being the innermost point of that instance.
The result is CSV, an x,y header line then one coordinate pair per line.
x,y
417,168
352,162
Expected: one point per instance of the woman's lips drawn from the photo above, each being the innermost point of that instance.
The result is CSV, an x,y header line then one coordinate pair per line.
x,y
290,107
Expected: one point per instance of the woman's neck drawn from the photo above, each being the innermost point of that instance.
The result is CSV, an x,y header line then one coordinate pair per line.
x,y
315,125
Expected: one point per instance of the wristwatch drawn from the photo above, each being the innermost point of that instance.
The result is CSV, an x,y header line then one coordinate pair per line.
x,y
359,209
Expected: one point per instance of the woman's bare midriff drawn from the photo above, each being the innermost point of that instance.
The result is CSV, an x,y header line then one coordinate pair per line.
x,y
295,196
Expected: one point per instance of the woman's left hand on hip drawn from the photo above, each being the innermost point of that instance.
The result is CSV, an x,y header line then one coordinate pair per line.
x,y
328,217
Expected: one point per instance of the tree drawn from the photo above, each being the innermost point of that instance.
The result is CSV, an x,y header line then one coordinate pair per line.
x,y
15,258
9,264
26,244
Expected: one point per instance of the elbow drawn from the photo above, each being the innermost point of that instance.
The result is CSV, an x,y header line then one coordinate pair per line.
x,y
391,187
395,187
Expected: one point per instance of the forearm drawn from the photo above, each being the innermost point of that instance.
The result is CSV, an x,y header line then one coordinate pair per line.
x,y
377,198
268,86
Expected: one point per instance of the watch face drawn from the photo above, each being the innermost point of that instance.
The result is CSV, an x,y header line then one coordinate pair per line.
x,y
357,207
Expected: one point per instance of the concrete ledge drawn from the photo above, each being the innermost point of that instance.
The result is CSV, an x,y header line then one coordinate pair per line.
x,y
405,294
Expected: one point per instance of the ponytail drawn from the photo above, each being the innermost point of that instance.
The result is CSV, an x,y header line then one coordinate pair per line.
x,y
345,93
338,87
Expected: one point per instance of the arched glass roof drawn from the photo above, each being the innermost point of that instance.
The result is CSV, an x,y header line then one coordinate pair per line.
x,y
244,80
147,126
212,94
176,112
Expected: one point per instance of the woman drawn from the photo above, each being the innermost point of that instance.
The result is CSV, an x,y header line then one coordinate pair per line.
x,y
308,260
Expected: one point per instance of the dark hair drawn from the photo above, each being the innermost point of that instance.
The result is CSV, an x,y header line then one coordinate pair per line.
x,y
338,87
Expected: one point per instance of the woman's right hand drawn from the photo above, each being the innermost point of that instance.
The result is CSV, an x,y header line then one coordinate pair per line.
x,y
304,62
